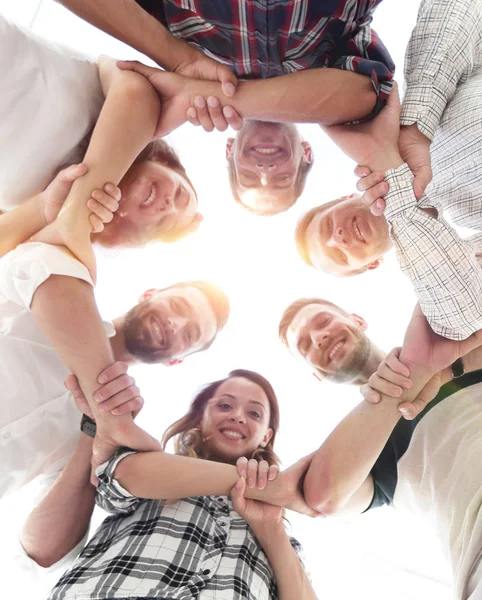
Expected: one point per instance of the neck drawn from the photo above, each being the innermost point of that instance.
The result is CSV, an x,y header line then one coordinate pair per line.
x,y
374,359
118,343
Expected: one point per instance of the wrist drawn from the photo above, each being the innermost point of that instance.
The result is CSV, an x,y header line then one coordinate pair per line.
x,y
271,532
385,160
39,201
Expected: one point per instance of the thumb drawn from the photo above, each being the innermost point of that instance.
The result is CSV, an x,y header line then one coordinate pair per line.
x,y
410,410
393,101
228,80
141,440
70,174
472,342
237,492
137,67
422,178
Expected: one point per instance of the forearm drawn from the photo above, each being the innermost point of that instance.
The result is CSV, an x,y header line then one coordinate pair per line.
x,y
65,311
291,577
62,518
160,475
131,24
325,96
20,224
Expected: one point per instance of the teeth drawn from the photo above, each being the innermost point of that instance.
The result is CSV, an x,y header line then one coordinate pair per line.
x,y
157,330
357,231
335,349
150,199
267,150
232,434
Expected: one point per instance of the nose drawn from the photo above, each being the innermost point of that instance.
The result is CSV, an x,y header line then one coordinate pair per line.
x,y
176,323
237,417
167,206
319,338
338,237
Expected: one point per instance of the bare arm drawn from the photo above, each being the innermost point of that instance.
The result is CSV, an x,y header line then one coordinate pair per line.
x,y
18,225
131,24
132,103
60,521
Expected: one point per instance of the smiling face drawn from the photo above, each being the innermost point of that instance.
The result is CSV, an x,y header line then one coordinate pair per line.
x,y
236,420
155,198
169,324
266,159
332,342
345,238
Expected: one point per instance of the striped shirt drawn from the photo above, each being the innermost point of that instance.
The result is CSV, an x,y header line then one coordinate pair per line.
x,y
194,548
266,38
443,73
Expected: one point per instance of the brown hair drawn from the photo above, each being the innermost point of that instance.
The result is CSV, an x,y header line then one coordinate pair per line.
x,y
294,308
188,440
300,234
303,170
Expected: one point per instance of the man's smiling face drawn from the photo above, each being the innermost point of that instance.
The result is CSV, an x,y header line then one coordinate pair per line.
x,y
169,324
332,342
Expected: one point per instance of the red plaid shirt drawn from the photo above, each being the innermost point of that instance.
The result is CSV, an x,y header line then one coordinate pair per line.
x,y
266,38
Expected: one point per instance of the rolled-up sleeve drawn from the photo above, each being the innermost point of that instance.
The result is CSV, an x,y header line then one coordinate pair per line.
x,y
24,269
363,52
442,267
111,496
443,51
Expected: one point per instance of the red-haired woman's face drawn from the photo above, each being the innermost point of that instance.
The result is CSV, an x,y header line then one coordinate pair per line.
x,y
154,198
236,420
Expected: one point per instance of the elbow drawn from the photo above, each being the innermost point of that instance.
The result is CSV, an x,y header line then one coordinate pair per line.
x,y
138,91
321,494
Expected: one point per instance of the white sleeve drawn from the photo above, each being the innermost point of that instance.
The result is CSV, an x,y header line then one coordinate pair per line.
x,y
24,269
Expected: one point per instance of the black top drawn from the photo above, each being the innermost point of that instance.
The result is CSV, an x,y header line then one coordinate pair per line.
x,y
385,471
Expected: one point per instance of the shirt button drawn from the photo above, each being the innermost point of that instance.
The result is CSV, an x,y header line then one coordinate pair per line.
x,y
6,435
222,523
206,571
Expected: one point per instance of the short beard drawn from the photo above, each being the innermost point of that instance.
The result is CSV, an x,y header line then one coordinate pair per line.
x,y
356,364
135,346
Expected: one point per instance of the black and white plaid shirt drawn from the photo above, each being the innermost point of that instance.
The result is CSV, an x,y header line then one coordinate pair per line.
x,y
443,73
196,548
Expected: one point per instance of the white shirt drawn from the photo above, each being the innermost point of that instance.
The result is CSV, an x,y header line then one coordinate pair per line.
x,y
49,102
39,421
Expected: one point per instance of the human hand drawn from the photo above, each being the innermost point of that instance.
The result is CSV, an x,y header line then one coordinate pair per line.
x,y
176,94
118,394
199,66
414,149
102,203
119,434
210,115
374,187
257,474
254,512
375,143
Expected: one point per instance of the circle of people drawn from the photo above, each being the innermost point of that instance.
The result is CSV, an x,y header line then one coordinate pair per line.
x,y
207,520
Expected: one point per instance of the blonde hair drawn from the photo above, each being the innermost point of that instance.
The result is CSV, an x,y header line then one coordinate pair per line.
x,y
188,438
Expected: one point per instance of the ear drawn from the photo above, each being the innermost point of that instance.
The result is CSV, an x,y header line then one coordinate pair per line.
x,y
229,147
307,152
267,436
360,321
174,361
376,263
147,294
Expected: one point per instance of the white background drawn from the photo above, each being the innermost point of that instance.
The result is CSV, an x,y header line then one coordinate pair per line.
x,y
254,259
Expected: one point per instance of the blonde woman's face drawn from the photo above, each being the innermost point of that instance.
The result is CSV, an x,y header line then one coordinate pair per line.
x,y
236,420
154,197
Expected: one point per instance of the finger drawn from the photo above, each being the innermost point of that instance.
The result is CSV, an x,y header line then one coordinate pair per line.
x,y
378,207
263,468
375,193
133,406
113,191
242,466
104,214
237,494
72,173
393,101
228,80
365,183
410,410
115,370
96,224
203,114
216,114
384,386
362,171
273,472
192,116
233,118
393,361
106,200
119,399
138,67
422,179
123,382
72,383
369,394
252,473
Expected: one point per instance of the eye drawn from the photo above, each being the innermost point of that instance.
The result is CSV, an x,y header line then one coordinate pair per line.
x,y
224,406
254,414
282,178
181,197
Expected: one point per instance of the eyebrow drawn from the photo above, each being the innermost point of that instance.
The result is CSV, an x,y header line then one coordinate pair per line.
x,y
249,401
186,307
